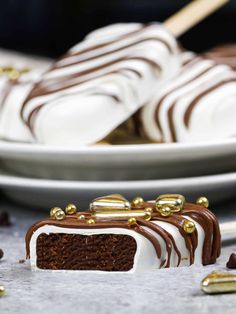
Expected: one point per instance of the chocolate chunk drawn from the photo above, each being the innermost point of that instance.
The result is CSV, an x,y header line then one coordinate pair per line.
x,y
4,219
21,261
232,261
1,253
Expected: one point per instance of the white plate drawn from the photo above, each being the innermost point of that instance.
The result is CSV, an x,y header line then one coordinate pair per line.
x,y
47,193
118,162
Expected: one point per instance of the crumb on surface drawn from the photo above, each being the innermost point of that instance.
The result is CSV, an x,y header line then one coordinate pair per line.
x,y
21,261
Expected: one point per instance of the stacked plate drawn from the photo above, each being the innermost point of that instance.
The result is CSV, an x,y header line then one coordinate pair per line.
x,y
45,176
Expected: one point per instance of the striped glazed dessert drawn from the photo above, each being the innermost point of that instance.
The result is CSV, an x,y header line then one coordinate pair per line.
x,y
197,105
115,235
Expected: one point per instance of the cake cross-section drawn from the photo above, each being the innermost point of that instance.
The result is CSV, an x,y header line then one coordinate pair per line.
x,y
122,236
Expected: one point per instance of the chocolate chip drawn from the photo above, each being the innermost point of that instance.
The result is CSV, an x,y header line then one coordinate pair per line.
x,y
21,261
4,219
1,253
232,261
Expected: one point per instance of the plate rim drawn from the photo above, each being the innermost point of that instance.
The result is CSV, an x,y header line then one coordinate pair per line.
x,y
34,183
162,148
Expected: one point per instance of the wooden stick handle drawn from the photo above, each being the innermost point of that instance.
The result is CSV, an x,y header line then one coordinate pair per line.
x,y
191,14
228,227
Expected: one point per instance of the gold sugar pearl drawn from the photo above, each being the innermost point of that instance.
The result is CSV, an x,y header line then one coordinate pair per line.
x,y
148,210
53,211
189,226
202,201
147,216
165,211
132,221
2,291
14,75
70,209
90,221
60,215
81,217
137,201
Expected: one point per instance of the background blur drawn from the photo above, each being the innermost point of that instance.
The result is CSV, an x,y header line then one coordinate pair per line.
x,y
50,27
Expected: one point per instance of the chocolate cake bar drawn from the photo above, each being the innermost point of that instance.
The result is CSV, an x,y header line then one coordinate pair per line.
x,y
116,235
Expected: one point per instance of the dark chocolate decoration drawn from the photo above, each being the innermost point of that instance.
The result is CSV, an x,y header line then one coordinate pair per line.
x,y
1,253
232,261
4,219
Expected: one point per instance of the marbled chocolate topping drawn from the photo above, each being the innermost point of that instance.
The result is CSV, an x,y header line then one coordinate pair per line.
x,y
204,217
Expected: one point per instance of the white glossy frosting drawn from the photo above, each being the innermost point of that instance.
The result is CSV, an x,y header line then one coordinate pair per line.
x,y
100,83
145,257
197,105
13,93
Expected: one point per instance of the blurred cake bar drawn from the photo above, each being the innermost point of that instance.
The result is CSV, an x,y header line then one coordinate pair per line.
x,y
100,83
116,235
197,105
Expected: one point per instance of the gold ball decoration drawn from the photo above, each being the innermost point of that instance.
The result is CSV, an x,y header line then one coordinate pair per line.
x,y
147,216
148,210
53,211
70,209
132,221
203,201
90,221
165,211
189,226
137,201
2,291
81,217
60,215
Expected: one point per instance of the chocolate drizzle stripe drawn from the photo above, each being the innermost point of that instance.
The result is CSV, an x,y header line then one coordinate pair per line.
x,y
189,239
119,38
33,114
111,52
168,239
212,241
194,103
42,89
161,101
101,66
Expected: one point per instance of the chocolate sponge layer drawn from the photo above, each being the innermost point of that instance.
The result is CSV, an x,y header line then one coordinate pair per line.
x,y
107,252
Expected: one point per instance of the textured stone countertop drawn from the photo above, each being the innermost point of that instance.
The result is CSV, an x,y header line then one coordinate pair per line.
x,y
164,291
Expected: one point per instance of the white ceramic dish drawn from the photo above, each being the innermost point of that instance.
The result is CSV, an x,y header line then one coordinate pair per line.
x,y
118,162
47,193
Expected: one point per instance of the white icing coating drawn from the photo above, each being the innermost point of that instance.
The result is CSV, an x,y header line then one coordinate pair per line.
x,y
198,105
130,65
145,256
12,93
